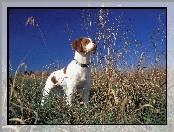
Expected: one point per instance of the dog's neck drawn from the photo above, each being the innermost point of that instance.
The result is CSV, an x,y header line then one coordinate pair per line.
x,y
81,57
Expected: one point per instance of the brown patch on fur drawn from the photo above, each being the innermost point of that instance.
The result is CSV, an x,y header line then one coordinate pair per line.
x,y
53,79
64,69
79,44
84,42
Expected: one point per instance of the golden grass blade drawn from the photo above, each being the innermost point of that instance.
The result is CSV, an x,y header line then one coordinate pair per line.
x,y
123,104
18,120
146,105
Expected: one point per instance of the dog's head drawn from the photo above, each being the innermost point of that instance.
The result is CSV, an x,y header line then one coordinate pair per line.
x,y
85,45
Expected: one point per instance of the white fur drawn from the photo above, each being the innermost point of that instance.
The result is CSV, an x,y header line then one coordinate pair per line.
x,y
76,77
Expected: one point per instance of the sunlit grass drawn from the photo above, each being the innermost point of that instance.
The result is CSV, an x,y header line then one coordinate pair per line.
x,y
124,91
117,101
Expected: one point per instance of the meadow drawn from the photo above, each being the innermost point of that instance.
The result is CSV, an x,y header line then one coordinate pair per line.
x,y
116,98
130,95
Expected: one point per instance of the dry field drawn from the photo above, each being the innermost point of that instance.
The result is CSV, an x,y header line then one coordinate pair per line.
x,y
127,96
131,97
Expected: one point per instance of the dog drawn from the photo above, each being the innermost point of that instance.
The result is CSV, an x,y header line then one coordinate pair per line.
x,y
77,75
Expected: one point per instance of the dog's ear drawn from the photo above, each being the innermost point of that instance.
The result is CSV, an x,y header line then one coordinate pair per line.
x,y
77,45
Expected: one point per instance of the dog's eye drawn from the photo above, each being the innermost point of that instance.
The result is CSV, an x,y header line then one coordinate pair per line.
x,y
86,42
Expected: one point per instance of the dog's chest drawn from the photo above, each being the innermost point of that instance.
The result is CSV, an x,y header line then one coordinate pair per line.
x,y
82,79
77,73
81,74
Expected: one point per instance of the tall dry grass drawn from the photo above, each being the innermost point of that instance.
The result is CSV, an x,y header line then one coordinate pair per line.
x,y
120,94
121,98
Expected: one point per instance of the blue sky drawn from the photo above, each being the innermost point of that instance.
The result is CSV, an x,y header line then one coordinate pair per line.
x,y
134,26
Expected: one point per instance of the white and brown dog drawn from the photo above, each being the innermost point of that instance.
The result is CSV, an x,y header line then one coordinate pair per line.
x,y
77,75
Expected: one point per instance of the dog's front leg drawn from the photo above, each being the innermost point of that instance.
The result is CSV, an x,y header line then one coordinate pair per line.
x,y
69,91
85,95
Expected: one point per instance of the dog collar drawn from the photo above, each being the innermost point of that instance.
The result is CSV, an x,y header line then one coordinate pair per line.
x,y
82,65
